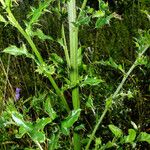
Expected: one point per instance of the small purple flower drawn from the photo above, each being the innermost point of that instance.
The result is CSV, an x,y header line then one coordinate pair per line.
x,y
17,93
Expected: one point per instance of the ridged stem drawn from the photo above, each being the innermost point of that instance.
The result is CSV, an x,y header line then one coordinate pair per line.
x,y
73,38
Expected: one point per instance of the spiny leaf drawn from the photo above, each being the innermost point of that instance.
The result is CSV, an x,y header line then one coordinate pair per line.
x,y
39,33
103,21
115,130
22,131
91,81
36,13
37,136
45,69
13,50
49,109
69,121
98,14
56,59
20,122
41,123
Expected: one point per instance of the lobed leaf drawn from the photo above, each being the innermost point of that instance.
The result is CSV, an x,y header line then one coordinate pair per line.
x,y
13,50
144,137
90,81
131,137
49,109
37,136
115,130
41,123
69,121
39,33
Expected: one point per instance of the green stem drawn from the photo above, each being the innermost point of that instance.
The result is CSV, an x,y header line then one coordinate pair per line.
x,y
73,37
114,96
76,141
38,144
39,57
96,127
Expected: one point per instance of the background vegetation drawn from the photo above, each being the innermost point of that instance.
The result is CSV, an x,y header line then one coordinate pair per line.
x,y
102,50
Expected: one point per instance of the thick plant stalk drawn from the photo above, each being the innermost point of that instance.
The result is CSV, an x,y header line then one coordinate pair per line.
x,y
114,95
73,37
39,57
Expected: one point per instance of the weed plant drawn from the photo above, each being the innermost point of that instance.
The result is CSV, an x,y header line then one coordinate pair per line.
x,y
65,114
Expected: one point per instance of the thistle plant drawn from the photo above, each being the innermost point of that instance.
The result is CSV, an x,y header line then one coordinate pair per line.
x,y
73,57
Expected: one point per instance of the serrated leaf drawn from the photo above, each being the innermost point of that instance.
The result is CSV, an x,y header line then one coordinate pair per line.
x,y
45,69
22,131
48,108
144,137
91,81
39,33
37,136
41,123
89,102
13,50
69,121
56,59
112,64
103,21
131,137
98,14
115,130
20,122
36,13
103,6
83,21
80,127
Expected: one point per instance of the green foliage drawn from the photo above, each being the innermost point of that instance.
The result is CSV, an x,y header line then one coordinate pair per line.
x,y
90,81
36,14
115,130
69,121
131,137
13,50
120,140
2,19
143,136
39,33
86,74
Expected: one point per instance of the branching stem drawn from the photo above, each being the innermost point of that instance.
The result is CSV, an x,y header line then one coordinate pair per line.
x,y
114,96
